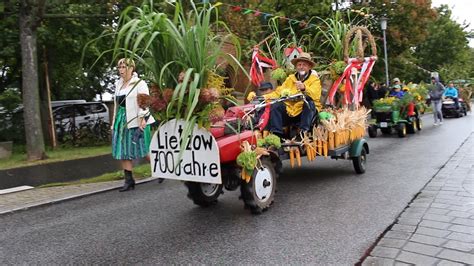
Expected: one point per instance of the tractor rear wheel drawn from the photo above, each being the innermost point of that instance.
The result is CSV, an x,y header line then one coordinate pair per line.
x,y
203,194
401,130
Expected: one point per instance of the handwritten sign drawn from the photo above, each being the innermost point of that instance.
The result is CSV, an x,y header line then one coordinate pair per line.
x,y
199,161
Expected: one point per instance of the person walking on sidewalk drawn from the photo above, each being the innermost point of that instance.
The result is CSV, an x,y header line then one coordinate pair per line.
x,y
131,124
436,95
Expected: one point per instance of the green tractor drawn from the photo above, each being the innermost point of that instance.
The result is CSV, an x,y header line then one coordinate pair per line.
x,y
389,117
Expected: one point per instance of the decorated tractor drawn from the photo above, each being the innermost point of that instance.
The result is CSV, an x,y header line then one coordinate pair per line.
x,y
389,116
401,115
238,152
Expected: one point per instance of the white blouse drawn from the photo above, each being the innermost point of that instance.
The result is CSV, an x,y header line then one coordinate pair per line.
x,y
133,111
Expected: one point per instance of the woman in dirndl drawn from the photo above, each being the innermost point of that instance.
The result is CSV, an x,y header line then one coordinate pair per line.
x,y
131,124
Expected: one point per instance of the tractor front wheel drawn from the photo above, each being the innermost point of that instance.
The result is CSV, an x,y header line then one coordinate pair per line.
x,y
258,194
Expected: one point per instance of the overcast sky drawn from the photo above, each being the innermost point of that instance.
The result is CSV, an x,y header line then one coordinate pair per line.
x,y
462,12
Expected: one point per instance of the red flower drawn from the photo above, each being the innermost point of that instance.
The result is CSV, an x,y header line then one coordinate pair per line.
x,y
144,100
167,95
216,114
209,95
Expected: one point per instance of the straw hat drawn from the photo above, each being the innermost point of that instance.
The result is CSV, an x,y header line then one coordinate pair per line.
x,y
303,57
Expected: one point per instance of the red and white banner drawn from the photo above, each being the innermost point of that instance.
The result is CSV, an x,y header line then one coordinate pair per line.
x,y
258,63
355,69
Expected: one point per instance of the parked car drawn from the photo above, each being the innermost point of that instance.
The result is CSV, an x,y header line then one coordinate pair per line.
x,y
56,104
74,116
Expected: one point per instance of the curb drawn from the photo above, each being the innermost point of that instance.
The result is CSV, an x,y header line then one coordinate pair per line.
x,y
76,196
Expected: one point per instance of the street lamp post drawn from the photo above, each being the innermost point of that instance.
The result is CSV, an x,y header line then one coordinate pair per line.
x,y
383,25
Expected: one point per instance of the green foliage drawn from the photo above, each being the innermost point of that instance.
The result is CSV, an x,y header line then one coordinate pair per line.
x,y
247,160
9,100
189,42
386,104
10,60
407,27
61,153
328,40
11,126
167,45
279,74
325,116
446,49
330,36
270,141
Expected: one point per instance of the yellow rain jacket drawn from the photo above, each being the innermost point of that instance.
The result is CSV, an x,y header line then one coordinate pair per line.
x,y
313,90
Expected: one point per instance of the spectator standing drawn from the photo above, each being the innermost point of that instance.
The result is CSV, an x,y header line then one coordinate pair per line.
x,y
382,91
130,129
436,94
371,93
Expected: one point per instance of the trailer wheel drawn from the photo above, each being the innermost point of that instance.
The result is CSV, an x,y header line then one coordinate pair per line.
x,y
259,193
203,194
372,131
360,161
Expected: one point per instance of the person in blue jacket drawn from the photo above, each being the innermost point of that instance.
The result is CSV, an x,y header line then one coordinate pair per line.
x,y
452,92
396,91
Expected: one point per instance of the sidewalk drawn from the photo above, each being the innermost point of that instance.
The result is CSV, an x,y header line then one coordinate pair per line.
x,y
437,227
40,196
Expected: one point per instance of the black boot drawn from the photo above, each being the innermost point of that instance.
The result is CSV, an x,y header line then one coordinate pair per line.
x,y
129,182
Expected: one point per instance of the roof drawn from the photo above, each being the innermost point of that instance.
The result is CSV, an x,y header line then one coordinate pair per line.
x,y
290,50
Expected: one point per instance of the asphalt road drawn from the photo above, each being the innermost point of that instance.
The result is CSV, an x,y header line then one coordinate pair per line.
x,y
323,214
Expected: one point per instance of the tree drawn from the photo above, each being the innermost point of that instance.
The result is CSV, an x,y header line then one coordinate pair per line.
x,y
30,14
446,49
408,22
10,63
62,28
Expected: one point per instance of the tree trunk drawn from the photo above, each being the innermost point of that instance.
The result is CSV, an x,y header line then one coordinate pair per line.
x,y
33,130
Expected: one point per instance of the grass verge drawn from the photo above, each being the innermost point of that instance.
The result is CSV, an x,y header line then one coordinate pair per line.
x,y
139,172
18,158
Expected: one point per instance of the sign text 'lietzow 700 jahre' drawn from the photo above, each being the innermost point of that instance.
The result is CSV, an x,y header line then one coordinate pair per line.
x,y
199,161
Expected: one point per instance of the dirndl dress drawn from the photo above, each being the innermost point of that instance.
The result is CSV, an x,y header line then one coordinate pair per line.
x,y
128,143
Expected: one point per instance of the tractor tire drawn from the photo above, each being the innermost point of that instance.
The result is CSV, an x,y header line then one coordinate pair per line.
x,y
360,161
411,128
419,124
401,130
258,194
203,194
372,131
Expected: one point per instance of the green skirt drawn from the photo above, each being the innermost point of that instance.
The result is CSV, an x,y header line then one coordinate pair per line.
x,y
129,143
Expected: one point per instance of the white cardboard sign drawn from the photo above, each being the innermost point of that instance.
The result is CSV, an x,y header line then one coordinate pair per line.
x,y
199,162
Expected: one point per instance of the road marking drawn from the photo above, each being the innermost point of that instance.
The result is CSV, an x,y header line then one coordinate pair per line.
x,y
14,189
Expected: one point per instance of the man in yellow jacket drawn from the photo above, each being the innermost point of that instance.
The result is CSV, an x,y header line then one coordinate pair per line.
x,y
296,112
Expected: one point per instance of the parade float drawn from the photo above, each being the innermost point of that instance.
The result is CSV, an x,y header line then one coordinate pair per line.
x,y
399,114
211,148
